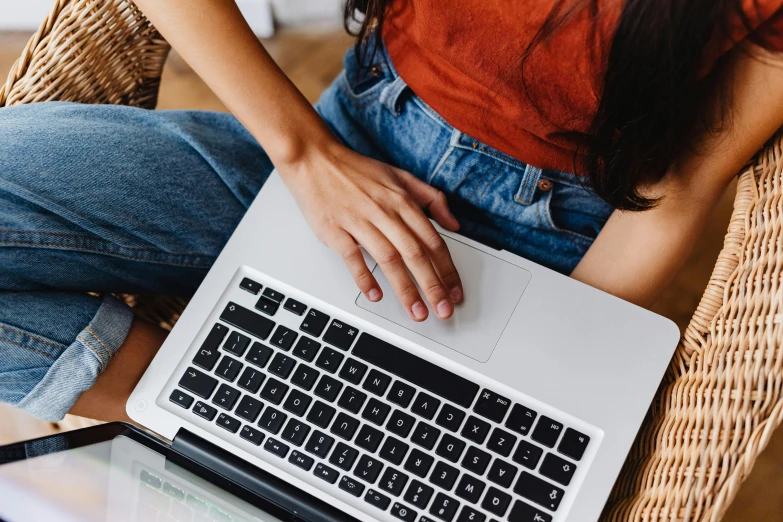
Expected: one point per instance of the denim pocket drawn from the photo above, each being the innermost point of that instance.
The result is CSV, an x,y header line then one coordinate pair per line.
x,y
574,211
362,81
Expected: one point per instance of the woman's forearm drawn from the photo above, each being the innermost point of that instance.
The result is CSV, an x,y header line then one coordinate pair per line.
x,y
637,255
214,39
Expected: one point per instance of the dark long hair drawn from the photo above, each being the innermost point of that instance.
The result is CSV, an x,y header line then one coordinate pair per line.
x,y
653,94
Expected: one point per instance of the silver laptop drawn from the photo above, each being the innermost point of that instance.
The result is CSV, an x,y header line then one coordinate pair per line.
x,y
520,408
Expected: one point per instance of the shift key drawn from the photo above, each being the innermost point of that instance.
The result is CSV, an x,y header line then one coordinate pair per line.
x,y
247,321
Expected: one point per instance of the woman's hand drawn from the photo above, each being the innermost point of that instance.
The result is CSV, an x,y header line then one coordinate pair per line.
x,y
351,200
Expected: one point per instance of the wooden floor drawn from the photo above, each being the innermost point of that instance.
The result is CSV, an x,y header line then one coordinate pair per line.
x,y
312,59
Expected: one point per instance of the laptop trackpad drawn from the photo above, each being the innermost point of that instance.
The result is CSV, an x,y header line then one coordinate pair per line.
x,y
493,287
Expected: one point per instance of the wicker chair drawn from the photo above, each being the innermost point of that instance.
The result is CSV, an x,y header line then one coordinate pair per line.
x,y
721,398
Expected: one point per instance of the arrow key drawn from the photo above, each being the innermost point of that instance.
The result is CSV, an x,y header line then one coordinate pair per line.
x,y
557,469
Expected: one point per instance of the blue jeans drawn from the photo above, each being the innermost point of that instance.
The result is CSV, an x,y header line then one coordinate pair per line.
x,y
108,199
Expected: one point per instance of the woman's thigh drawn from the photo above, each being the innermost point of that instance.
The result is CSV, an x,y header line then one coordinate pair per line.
x,y
108,198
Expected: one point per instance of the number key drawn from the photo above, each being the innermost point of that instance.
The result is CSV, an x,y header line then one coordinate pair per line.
x,y
393,481
419,494
444,507
368,469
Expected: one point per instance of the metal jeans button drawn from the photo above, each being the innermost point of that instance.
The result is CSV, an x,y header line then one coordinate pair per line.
x,y
544,185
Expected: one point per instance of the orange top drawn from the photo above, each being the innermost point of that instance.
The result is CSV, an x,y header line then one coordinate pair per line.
x,y
463,58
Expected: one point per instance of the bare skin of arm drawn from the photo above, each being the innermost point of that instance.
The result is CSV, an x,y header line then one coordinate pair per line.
x,y
636,255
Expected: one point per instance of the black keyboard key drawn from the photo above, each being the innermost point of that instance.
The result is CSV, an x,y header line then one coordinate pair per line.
x,y
236,343
328,388
418,463
208,354
444,475
425,405
340,334
353,371
419,494
281,365
444,507
557,469
400,423
539,491
297,402
352,400
492,406
368,468
329,359
403,512
249,408
295,432
573,444
521,419
416,370
450,417
247,321
527,454
274,391
267,306
259,355
272,420
401,394
393,450
276,447
319,444
205,411
252,435
344,456
306,348
377,382
450,448
425,435
198,383
475,430
300,460
250,286
470,488
547,431
468,514
502,473
273,295
393,481
522,512
228,423
283,338
314,322
226,397
181,399
501,442
369,438
304,377
326,473
376,499
294,306
476,460
496,502
376,411
251,380
354,487
321,414
228,368
345,426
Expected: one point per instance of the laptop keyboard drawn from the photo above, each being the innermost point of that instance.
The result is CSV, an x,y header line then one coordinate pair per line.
x,y
407,437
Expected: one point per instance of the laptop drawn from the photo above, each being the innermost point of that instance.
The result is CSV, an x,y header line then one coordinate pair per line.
x,y
522,407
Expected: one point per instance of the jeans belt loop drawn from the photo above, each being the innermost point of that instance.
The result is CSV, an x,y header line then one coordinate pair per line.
x,y
390,95
527,189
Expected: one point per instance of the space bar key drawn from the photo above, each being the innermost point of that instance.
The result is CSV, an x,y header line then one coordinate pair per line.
x,y
416,370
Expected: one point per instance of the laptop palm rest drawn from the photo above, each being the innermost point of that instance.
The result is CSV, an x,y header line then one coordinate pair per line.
x,y
493,287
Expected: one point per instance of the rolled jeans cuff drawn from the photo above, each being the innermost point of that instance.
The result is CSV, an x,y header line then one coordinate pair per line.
x,y
77,369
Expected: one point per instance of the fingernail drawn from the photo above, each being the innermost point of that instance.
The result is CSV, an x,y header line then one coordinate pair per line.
x,y
456,294
374,295
418,310
444,308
